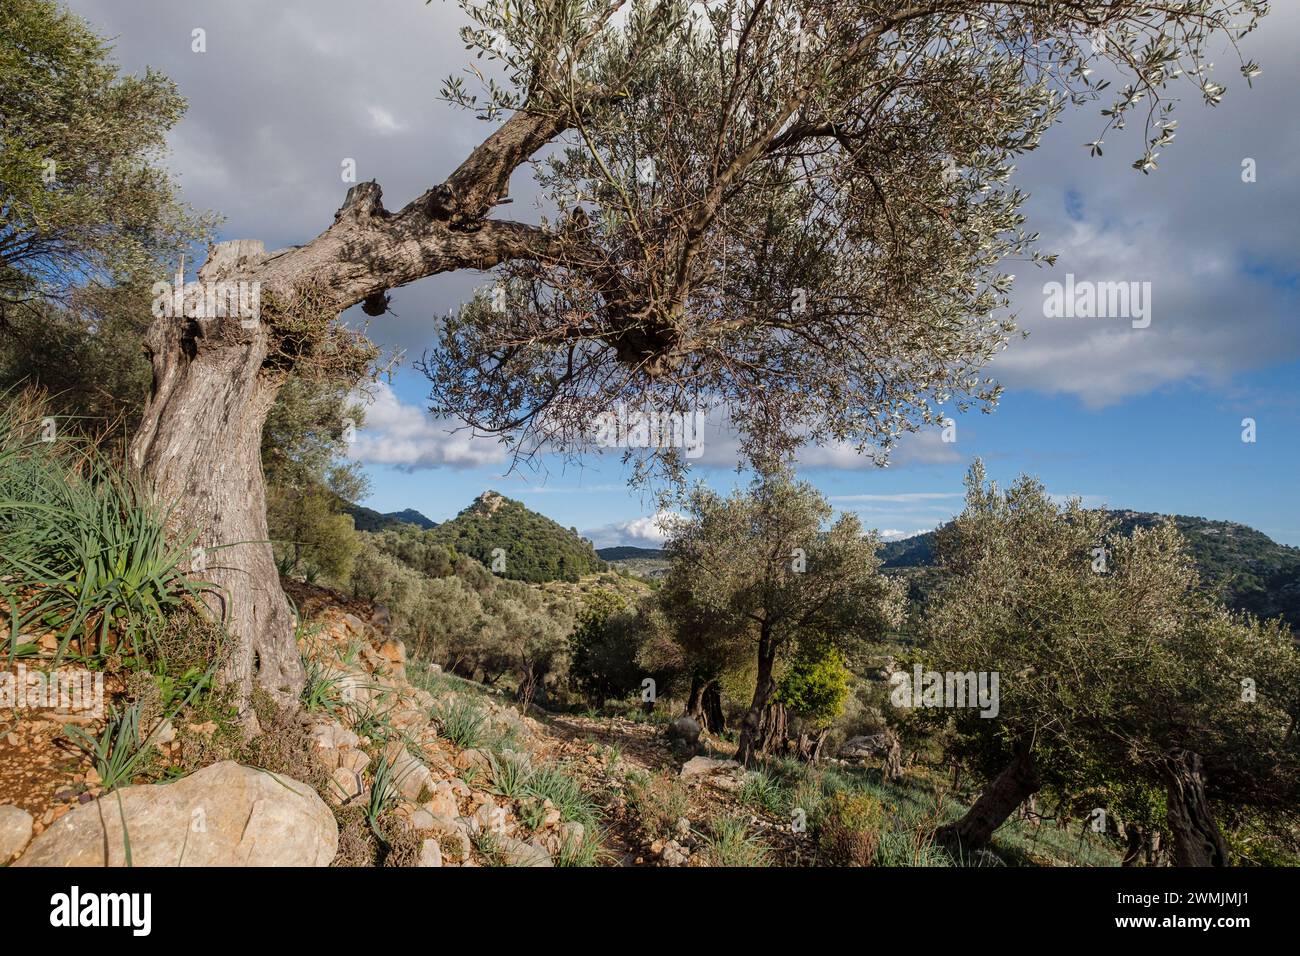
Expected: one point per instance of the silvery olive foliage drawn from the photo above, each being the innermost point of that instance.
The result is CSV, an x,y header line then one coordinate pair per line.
x,y
1107,669
802,213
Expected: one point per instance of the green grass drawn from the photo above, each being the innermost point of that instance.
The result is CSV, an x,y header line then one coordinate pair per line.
x,y
510,776
464,724
658,802
384,792
119,751
915,806
730,843
322,691
549,782
764,791
489,846
421,674
86,555
589,851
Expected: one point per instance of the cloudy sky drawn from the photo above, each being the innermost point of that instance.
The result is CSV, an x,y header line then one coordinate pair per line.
x,y
1148,418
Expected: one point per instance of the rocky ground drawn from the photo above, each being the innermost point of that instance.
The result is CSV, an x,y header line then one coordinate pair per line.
x,y
388,760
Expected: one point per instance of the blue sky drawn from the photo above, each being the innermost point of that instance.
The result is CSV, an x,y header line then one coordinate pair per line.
x,y
1142,418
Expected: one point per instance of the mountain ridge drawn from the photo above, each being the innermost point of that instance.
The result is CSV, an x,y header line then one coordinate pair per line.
x,y
1248,569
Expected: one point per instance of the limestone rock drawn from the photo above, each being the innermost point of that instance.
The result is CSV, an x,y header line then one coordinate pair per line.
x,y
704,766
430,853
223,815
15,831
519,853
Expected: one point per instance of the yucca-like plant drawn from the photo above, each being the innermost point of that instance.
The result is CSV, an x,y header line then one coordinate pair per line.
x,y
85,552
730,843
549,782
322,689
510,775
463,724
120,749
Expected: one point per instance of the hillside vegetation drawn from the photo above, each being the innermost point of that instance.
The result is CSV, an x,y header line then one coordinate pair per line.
x,y
1245,568
518,543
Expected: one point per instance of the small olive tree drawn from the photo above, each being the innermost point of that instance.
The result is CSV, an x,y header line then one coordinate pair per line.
x,y
759,570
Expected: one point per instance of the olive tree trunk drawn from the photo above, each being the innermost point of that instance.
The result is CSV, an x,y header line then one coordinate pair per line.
x,y
1196,837
215,378
704,704
199,446
1008,790
751,728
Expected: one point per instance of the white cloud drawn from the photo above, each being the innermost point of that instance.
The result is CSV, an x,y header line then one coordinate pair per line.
x,y
382,121
408,438
721,449
650,531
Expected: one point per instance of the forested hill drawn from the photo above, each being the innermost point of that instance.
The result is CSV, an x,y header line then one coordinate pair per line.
x,y
629,553
368,519
535,548
1251,571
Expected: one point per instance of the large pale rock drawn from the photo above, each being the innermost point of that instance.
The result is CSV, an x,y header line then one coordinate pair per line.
x,y
430,853
443,802
223,815
346,787
410,775
704,766
519,853
331,735
15,831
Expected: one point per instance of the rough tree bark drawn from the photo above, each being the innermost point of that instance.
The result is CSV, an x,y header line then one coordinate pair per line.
x,y
1196,837
198,444
773,729
995,805
704,704
751,730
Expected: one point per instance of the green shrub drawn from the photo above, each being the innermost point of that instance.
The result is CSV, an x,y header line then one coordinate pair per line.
x,y
816,685
730,843
848,832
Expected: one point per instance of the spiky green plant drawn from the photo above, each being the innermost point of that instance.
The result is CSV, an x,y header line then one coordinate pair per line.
x,y
321,690
86,553
764,791
463,724
510,775
549,782
730,843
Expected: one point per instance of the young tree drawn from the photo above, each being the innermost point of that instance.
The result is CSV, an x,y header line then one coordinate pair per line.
x,y
758,572
84,200
309,478
1112,666
813,692
795,209
603,659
